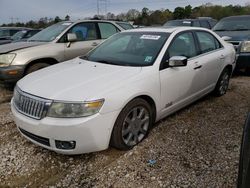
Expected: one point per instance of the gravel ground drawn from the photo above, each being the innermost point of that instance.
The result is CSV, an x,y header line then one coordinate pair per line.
x,y
196,147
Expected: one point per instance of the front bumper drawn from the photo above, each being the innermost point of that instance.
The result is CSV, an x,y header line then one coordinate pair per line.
x,y
243,60
11,74
90,133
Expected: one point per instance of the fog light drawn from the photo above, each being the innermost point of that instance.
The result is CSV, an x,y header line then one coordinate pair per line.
x,y
67,145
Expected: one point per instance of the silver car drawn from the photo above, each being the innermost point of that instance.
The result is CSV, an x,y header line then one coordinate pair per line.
x,y
57,43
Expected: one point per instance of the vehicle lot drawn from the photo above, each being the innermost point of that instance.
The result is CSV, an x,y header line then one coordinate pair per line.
x,y
198,147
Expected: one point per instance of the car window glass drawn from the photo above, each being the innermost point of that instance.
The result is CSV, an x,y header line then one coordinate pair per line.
x,y
130,49
84,31
125,26
207,42
107,30
183,45
196,23
204,24
13,31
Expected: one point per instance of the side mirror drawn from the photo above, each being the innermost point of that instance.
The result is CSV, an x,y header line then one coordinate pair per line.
x,y
71,37
177,61
226,38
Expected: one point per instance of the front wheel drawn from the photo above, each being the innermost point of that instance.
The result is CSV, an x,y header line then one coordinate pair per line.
x,y
223,83
132,124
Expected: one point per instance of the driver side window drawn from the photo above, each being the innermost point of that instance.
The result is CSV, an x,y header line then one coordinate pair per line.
x,y
183,45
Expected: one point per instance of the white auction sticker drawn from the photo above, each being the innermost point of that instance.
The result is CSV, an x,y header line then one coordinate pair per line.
x,y
150,37
67,23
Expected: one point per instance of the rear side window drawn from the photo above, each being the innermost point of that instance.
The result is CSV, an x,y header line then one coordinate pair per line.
x,y
204,24
196,23
125,26
207,42
84,31
107,30
183,45
13,31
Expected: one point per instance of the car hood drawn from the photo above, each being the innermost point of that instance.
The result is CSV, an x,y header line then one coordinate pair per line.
x,y
17,46
76,80
235,35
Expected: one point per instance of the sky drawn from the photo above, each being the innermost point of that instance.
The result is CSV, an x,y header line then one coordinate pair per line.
x,y
26,10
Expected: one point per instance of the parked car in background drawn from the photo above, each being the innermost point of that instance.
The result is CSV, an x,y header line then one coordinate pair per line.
x,y
115,93
244,164
7,32
236,30
24,35
57,43
205,22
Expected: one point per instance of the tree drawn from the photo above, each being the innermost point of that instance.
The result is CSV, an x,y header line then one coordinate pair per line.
x,y
67,18
179,13
57,19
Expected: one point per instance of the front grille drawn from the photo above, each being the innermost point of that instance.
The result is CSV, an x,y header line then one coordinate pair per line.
x,y
29,105
39,139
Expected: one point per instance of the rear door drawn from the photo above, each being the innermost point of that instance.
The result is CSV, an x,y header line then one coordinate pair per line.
x,y
87,39
211,58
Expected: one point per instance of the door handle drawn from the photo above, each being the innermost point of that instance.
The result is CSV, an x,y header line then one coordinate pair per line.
x,y
94,44
198,67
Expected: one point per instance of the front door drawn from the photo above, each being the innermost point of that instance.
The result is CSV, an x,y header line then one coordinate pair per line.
x,y
179,85
87,39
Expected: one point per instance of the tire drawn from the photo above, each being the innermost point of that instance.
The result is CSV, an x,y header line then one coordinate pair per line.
x,y
132,124
36,67
223,83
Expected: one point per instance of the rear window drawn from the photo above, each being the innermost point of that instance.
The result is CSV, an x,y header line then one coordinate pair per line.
x,y
233,24
178,23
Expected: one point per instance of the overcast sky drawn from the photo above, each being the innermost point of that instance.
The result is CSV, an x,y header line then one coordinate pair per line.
x,y
26,10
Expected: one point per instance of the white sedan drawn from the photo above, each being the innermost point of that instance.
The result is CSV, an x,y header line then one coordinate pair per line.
x,y
117,92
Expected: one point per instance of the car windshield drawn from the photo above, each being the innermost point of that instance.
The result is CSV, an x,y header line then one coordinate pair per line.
x,y
129,49
4,33
125,26
50,33
233,24
19,35
178,23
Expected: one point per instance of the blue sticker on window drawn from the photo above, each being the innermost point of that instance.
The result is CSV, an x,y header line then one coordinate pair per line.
x,y
148,59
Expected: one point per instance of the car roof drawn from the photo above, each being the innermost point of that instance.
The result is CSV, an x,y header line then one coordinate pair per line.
x,y
236,17
108,21
166,29
14,28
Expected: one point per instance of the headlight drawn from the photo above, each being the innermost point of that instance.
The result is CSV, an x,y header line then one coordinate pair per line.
x,y
74,110
6,59
245,47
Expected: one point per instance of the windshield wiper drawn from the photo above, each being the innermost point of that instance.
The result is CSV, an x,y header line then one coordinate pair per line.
x,y
107,62
241,29
220,30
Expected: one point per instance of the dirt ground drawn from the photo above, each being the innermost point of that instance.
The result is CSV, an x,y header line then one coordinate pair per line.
x,y
196,147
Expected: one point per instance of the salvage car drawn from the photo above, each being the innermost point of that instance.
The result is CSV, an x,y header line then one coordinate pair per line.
x,y
114,94
236,30
244,164
205,22
24,35
7,32
57,43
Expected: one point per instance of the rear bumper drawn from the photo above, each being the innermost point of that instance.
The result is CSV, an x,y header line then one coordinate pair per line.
x,y
11,74
243,61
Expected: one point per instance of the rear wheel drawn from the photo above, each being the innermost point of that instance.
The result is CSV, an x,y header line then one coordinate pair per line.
x,y
132,124
223,83
36,67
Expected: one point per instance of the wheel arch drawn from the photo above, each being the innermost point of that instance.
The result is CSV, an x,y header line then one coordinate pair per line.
x,y
49,60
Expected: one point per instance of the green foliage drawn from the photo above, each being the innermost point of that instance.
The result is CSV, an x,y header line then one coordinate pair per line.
x,y
157,17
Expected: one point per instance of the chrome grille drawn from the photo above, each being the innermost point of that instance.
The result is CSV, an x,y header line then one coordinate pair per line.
x,y
29,105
